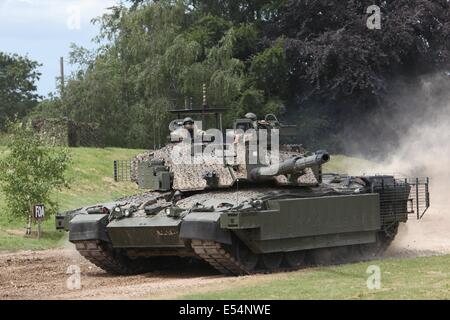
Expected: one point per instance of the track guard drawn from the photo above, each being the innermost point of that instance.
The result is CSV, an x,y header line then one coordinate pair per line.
x,y
85,227
204,226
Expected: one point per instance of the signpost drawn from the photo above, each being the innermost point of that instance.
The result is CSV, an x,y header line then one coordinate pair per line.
x,y
39,215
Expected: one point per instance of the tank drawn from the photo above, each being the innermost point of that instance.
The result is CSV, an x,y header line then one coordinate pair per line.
x,y
244,201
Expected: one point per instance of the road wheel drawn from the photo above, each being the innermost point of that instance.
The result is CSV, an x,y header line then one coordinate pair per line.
x,y
272,261
295,259
329,256
384,240
245,257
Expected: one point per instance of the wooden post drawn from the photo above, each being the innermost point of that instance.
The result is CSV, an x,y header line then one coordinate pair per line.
x,y
204,105
39,214
39,229
61,65
30,215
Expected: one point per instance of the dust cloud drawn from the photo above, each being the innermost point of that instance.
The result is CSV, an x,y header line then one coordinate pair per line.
x,y
421,114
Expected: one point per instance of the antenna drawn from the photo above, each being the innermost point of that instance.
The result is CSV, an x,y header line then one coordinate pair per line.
x,y
237,191
61,66
205,101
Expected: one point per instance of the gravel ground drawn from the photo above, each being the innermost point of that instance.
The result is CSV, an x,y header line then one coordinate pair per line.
x,y
43,275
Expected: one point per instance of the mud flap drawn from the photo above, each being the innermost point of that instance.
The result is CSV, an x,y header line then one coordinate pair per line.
x,y
85,227
204,226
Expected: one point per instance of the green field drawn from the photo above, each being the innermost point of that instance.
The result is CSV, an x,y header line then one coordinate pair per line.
x,y
92,182
412,278
343,164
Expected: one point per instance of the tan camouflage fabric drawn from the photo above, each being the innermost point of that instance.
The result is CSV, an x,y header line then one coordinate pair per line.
x,y
188,172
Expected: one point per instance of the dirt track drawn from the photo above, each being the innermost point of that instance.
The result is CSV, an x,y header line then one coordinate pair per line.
x,y
42,275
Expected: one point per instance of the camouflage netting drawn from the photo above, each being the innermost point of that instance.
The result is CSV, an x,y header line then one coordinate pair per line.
x,y
190,176
204,198
66,132
234,197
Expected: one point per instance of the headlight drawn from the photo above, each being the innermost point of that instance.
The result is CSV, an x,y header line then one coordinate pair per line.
x,y
167,211
117,209
127,213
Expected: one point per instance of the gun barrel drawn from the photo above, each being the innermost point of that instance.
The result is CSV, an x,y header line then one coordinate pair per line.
x,y
290,166
318,158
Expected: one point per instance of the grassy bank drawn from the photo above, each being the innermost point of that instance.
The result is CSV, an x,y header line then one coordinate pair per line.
x,y
413,278
92,182
343,164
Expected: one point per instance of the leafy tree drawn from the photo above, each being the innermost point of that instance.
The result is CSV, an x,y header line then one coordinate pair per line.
x,y
159,55
50,107
31,171
18,76
333,54
315,60
340,71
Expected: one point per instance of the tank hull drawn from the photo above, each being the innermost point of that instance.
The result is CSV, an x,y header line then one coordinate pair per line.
x,y
286,232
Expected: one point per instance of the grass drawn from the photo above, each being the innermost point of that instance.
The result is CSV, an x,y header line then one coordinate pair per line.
x,y
343,164
411,278
14,239
3,139
92,182
93,177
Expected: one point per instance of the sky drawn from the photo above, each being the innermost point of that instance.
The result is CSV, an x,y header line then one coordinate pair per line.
x,y
44,29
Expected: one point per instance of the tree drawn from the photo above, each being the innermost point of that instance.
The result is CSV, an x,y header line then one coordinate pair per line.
x,y
333,55
18,77
340,72
316,60
158,57
31,171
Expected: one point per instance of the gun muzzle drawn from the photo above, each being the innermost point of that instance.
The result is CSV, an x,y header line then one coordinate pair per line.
x,y
290,166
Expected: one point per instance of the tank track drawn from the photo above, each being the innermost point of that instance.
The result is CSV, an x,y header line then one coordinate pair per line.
x,y
222,260
214,253
384,240
218,257
98,253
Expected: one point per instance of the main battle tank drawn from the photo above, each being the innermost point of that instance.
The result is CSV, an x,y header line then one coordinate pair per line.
x,y
255,203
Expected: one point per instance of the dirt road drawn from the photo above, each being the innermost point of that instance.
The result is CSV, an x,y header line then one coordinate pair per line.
x,y
43,275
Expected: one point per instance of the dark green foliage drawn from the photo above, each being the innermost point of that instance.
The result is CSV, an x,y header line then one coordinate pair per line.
x,y
335,55
313,61
18,76
269,70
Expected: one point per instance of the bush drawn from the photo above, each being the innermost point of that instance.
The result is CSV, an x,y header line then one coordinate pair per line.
x,y
30,171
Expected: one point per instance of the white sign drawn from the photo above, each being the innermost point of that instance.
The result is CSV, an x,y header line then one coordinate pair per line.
x,y
39,212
